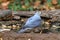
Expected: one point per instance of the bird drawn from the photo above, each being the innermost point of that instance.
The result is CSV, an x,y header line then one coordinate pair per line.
x,y
32,22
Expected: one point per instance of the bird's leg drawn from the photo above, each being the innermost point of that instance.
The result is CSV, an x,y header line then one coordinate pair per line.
x,y
41,30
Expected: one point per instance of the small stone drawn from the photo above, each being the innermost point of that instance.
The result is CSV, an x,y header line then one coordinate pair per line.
x,y
54,26
1,38
14,26
17,17
46,23
9,27
4,26
22,20
29,39
36,31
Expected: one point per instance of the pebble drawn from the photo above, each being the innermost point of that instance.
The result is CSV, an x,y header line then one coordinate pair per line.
x,y
29,39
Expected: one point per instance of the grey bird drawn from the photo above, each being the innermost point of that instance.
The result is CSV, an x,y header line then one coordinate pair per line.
x,y
32,22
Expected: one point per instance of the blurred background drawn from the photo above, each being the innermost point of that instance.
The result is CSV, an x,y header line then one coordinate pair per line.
x,y
29,5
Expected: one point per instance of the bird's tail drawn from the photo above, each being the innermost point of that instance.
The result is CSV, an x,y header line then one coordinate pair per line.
x,y
23,30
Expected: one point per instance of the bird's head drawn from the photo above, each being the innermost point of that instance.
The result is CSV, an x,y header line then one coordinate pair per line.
x,y
38,12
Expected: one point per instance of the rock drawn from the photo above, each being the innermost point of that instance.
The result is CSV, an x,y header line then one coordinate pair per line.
x,y
16,17
36,30
5,14
45,31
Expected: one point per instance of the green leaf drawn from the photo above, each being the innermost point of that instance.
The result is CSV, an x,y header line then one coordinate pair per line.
x,y
27,3
30,8
49,2
58,2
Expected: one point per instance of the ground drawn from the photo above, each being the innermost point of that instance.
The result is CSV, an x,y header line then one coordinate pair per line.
x,y
29,36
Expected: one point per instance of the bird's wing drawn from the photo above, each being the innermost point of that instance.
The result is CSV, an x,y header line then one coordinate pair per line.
x,y
33,21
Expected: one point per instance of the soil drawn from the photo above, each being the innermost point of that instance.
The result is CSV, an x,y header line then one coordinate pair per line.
x,y
29,36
